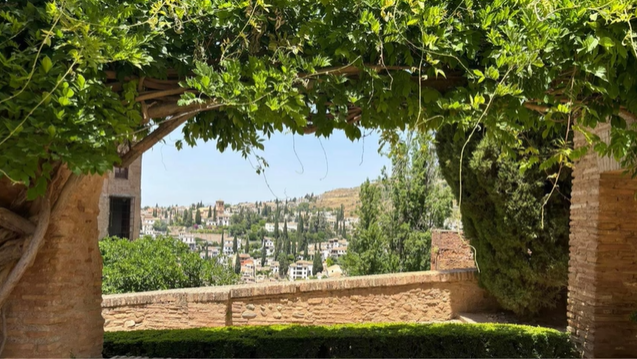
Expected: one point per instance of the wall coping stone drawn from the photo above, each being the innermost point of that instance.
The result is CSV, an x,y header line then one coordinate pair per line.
x,y
224,293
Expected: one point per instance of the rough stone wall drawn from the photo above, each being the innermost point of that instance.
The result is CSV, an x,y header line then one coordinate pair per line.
x,y
55,309
131,187
407,297
603,257
449,250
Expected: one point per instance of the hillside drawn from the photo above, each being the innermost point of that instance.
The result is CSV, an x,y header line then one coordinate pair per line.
x,y
334,198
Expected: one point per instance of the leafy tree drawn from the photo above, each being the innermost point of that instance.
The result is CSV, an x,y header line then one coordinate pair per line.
x,y
160,226
156,264
398,212
518,228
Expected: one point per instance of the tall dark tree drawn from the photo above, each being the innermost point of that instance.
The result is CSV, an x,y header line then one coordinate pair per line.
x,y
247,246
235,245
520,231
276,227
317,264
300,227
197,216
263,252
293,250
237,264
209,211
214,214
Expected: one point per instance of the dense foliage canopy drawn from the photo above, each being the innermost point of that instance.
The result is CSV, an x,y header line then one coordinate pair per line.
x,y
84,76
157,264
398,212
517,222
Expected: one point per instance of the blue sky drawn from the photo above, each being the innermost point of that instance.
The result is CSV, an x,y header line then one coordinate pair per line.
x,y
204,174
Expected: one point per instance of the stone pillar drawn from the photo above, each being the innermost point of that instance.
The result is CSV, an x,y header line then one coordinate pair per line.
x,y
603,257
55,311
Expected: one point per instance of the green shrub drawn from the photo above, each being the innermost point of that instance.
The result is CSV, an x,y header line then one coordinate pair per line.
x,y
443,340
522,254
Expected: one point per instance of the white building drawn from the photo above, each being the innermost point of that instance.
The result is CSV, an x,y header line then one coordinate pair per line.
x,y
189,239
274,267
338,252
268,243
300,270
227,249
292,226
269,227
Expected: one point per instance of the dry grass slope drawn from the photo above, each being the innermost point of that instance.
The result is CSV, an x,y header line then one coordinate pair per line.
x,y
334,198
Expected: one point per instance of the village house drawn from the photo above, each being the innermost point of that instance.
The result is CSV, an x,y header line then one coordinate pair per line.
x,y
227,249
338,252
274,267
248,270
268,243
300,270
334,271
189,239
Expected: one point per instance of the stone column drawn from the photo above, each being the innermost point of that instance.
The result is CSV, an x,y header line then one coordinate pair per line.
x,y
55,311
603,257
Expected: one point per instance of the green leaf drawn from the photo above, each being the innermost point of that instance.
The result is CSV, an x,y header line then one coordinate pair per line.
x,y
46,64
64,101
81,82
607,42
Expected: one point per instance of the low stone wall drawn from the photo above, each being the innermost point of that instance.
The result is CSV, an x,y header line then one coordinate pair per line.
x,y
406,297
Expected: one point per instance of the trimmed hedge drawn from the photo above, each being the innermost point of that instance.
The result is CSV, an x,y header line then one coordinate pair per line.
x,y
443,340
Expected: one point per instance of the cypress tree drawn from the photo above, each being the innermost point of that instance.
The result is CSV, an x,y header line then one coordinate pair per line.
x,y
523,262
214,214
300,225
197,217
247,248
209,211
317,265
235,245
263,253
237,264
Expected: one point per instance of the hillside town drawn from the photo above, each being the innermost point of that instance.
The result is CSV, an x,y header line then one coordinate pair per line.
x,y
256,234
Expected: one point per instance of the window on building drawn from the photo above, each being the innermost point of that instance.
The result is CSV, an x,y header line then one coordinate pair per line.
x,y
120,217
121,173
